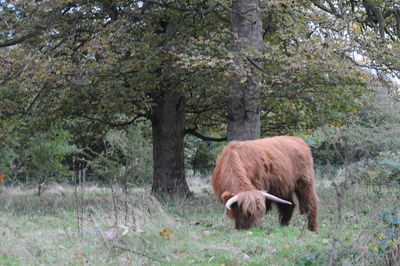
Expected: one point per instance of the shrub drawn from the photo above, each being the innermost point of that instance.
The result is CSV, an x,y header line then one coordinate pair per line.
x,y
200,155
375,130
126,159
385,247
8,161
382,170
43,158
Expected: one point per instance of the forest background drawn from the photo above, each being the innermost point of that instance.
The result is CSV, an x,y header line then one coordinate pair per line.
x,y
146,93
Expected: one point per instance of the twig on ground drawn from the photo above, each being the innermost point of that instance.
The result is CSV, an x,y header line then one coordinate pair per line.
x,y
29,253
67,233
136,252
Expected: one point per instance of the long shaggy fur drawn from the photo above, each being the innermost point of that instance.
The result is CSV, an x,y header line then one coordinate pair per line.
x,y
280,166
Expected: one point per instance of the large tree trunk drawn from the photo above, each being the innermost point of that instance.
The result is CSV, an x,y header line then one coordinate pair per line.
x,y
168,121
244,93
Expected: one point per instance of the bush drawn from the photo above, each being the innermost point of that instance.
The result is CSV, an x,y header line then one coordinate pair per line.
x,y
382,170
385,247
375,130
8,161
44,156
32,156
200,155
126,159
10,149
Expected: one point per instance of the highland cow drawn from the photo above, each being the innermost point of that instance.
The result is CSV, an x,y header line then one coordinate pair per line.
x,y
250,174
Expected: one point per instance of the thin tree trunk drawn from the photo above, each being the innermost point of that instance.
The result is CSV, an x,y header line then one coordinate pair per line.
x,y
244,93
168,121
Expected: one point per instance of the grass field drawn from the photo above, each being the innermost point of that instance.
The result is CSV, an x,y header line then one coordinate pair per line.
x,y
92,226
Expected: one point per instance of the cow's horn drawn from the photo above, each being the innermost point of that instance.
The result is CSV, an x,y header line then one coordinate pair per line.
x,y
230,202
272,197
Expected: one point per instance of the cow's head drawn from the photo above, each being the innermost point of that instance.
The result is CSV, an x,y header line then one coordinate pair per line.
x,y
247,208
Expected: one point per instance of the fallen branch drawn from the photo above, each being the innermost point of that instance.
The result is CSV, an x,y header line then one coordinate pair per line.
x,y
136,252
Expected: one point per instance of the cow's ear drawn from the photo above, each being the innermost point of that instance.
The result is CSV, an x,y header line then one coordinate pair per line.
x,y
226,196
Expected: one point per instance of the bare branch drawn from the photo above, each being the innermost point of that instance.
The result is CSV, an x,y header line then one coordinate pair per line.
x,y
49,20
115,124
377,12
21,39
193,132
256,66
136,252
331,10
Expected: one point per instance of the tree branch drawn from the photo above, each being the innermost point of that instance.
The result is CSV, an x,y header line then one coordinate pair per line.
x,y
28,109
256,66
331,10
20,39
368,4
53,15
193,132
113,124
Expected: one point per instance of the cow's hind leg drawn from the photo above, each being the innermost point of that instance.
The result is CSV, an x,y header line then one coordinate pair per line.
x,y
285,213
308,202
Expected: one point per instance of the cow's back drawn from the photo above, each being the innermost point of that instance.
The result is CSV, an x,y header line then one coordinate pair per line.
x,y
267,163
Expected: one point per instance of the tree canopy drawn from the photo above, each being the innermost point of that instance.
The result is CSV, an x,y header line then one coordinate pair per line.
x,y
89,66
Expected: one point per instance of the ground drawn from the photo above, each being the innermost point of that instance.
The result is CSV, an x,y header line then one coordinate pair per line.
x,y
92,225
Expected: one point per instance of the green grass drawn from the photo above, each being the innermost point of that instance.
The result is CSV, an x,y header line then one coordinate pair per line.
x,y
44,231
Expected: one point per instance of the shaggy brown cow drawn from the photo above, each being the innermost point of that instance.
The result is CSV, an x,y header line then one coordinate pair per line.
x,y
249,174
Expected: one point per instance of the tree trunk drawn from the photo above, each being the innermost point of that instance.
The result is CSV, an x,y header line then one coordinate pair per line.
x,y
244,91
168,121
